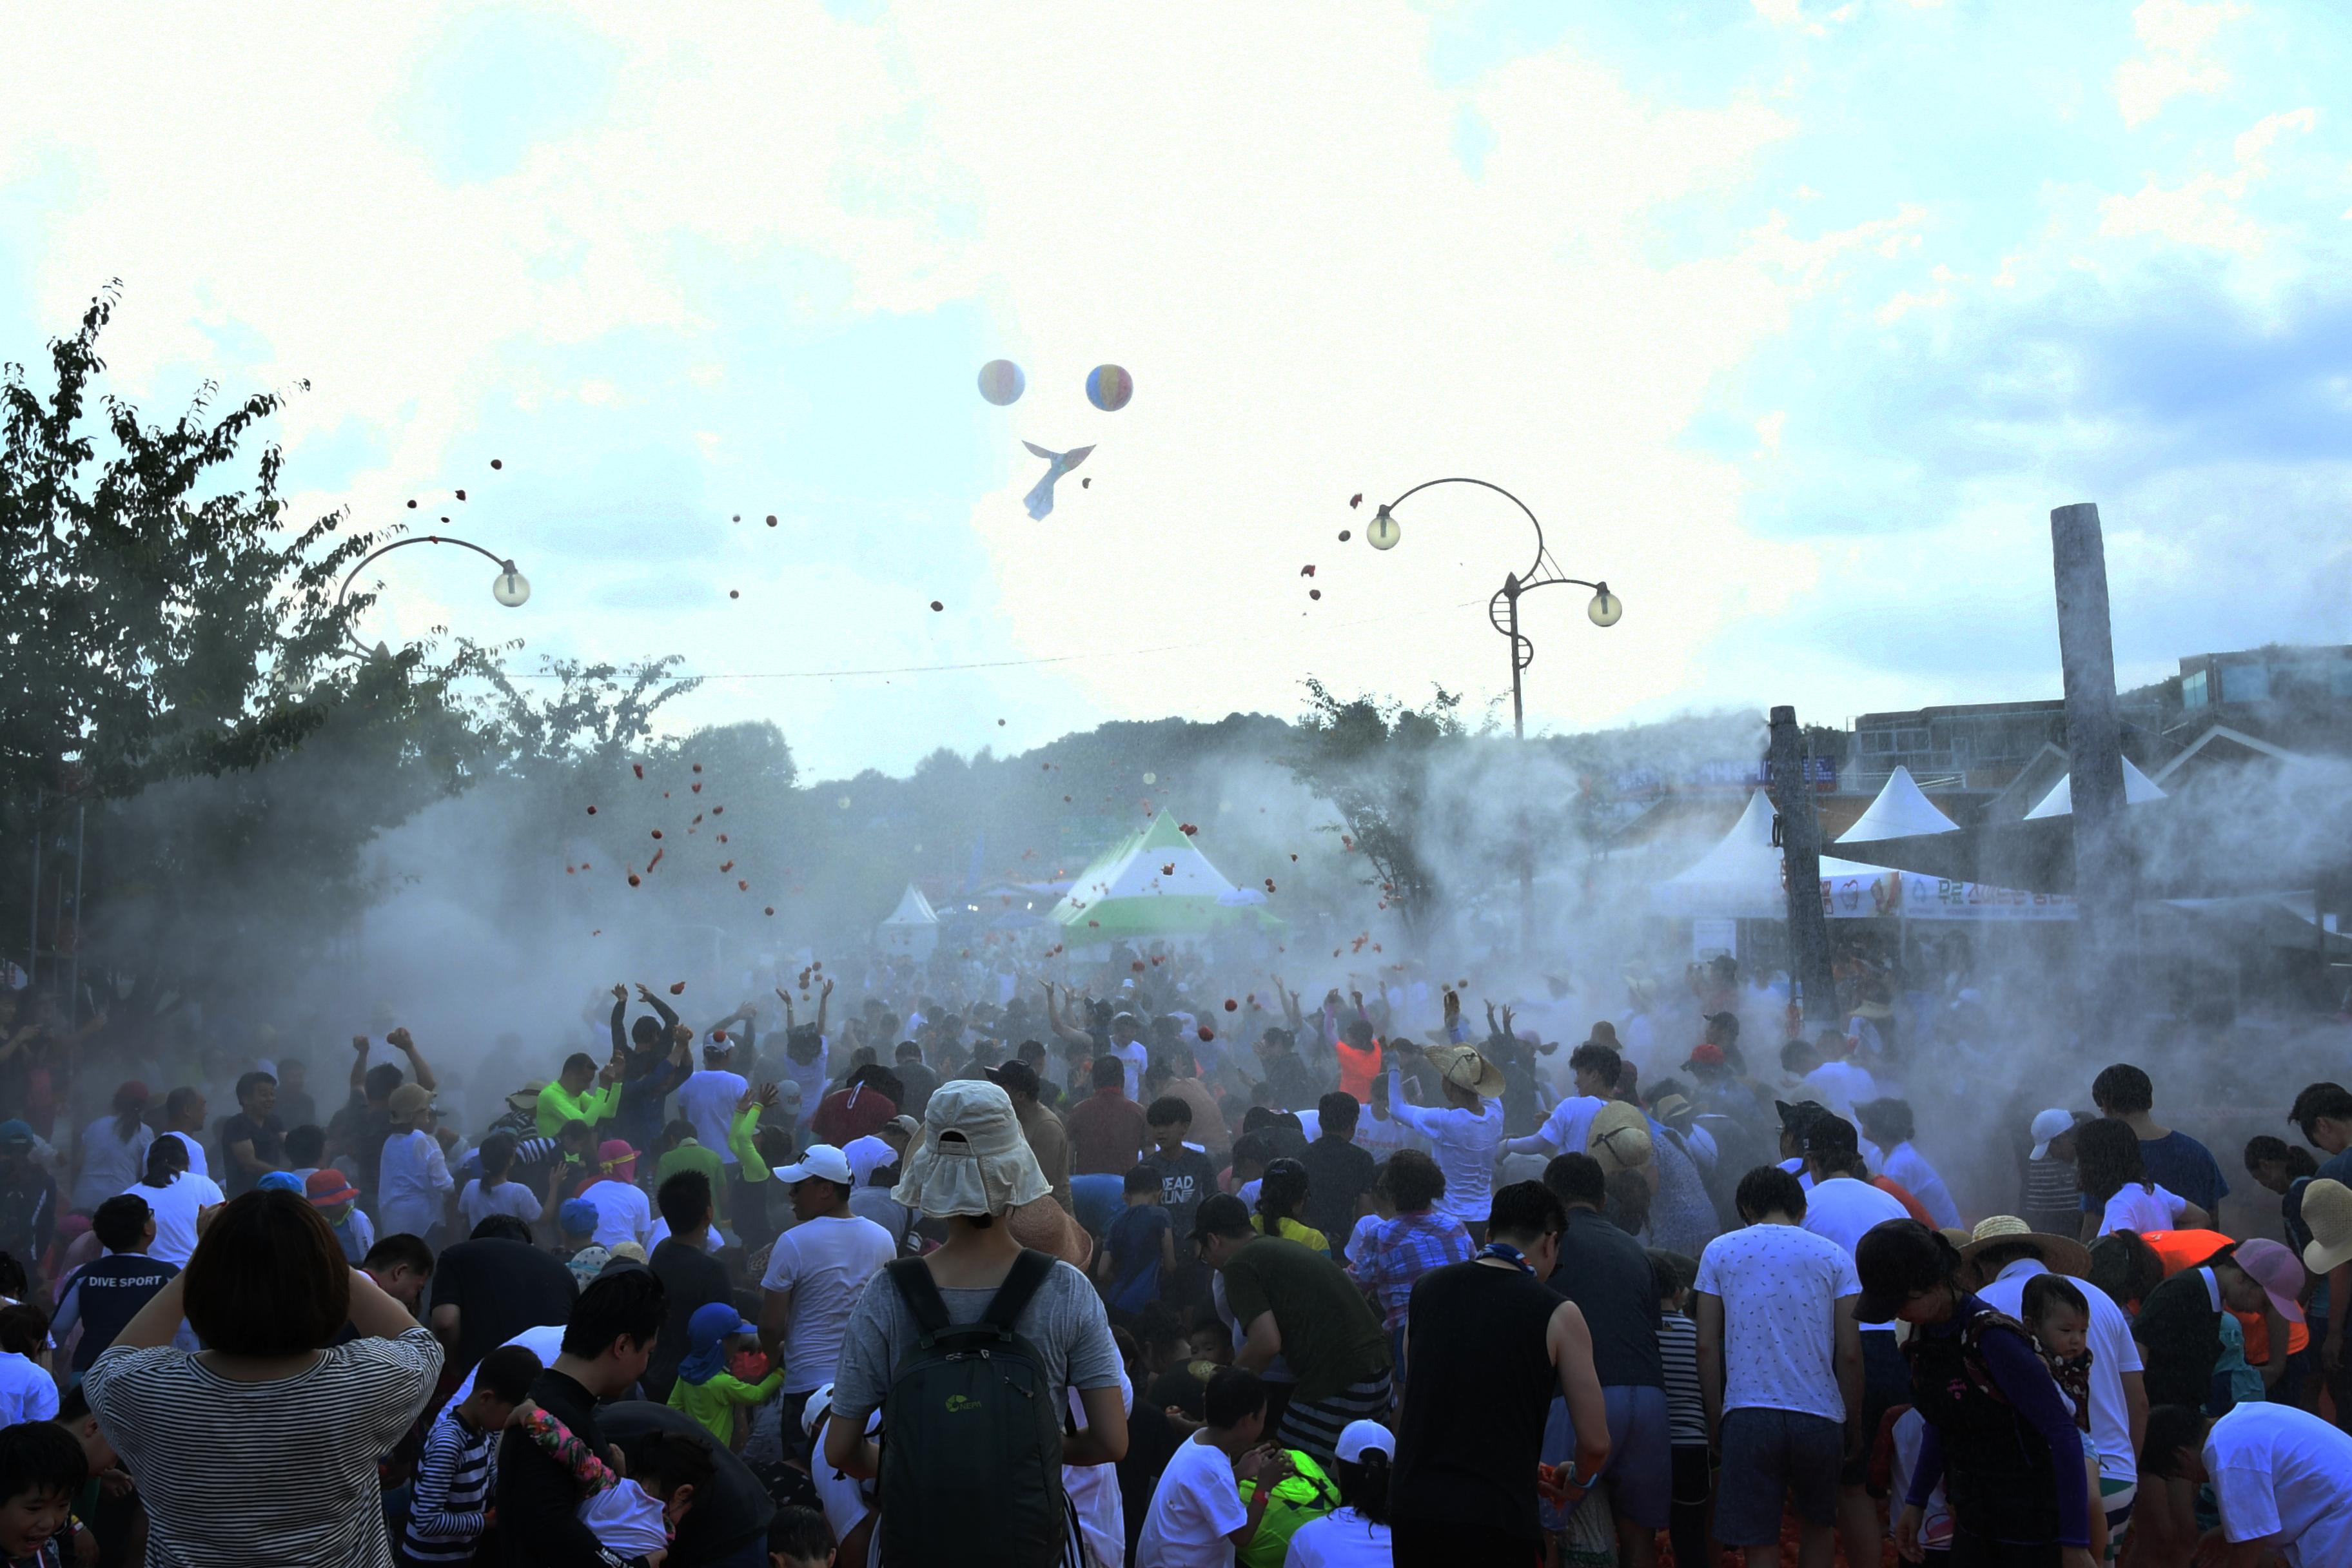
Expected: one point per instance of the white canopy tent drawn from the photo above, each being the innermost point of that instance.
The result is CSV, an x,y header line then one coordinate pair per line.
x,y
913,928
1901,810
2138,790
1742,878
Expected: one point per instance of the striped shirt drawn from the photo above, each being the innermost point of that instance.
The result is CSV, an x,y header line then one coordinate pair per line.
x,y
1686,1412
285,1471
447,1507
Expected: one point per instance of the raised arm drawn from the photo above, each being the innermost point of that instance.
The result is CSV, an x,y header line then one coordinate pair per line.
x,y
823,1001
620,1018
651,998
1062,1028
359,1064
399,1041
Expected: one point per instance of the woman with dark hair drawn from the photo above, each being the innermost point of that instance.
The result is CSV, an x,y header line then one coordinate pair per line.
x,y
1356,1534
262,1446
2000,1437
177,1195
1281,1194
2108,1164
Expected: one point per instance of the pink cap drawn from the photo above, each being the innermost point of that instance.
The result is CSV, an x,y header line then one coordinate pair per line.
x,y
2276,1269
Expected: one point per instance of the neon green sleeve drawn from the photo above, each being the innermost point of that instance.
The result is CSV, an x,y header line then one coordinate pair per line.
x,y
741,1134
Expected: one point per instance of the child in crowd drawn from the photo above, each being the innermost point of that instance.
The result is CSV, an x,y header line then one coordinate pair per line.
x,y
1197,1513
1671,1275
2284,1168
457,1473
576,1223
1138,1248
41,1468
306,1148
27,1391
630,1516
1281,1195
1185,1174
2053,1200
2107,1164
2058,1316
331,1194
704,1388
491,1192
797,1538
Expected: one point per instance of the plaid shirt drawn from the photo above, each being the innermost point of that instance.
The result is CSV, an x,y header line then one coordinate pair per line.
x,y
1399,1251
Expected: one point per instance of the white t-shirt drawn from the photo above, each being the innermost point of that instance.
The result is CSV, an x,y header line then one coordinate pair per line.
x,y
1845,1209
1463,1143
1341,1539
845,1500
26,1393
2134,1207
1780,1285
196,1153
2280,1471
544,1340
1194,1508
1841,1086
413,1184
1904,1166
108,1163
510,1196
1094,1489
2113,1353
623,1214
824,1263
708,1099
1136,1059
1570,1126
175,1209
866,1155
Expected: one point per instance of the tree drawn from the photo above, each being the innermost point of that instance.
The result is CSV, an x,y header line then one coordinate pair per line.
x,y
156,626
1369,756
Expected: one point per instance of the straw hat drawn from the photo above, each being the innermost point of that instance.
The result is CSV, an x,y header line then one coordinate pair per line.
x,y
2059,1254
1464,1068
972,1158
2327,1213
1620,1139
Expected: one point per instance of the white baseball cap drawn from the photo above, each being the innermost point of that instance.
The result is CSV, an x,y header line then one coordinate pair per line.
x,y
818,1159
2048,1125
1358,1437
814,1410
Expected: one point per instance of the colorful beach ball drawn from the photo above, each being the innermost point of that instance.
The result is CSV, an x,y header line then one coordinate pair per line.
x,y
1001,382
1108,387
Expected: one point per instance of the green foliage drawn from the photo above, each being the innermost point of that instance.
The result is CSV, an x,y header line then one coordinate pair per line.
x,y
1370,757
155,625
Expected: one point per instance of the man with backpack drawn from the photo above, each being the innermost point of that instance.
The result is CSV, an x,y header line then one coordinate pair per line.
x,y
973,1443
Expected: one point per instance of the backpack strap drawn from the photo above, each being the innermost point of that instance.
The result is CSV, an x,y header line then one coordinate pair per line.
x,y
920,1292
1029,1272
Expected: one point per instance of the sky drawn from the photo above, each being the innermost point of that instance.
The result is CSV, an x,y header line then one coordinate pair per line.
x,y
1792,321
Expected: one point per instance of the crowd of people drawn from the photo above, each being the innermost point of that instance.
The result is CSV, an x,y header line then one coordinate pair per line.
x,y
1142,1273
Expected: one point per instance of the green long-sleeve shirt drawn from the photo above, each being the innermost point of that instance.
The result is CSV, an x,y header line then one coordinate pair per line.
x,y
713,1404
557,1106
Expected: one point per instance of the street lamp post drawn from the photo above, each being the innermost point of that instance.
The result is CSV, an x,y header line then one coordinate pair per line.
x,y
1503,611
510,587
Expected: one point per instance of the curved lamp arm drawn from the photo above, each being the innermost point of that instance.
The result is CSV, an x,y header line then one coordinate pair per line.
x,y
1542,573
520,586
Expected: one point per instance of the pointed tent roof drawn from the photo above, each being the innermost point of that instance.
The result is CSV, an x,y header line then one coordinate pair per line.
x,y
1901,810
2138,789
1154,882
914,910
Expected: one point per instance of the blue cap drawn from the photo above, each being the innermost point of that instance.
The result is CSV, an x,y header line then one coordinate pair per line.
x,y
15,1132
577,1216
715,1321
280,1182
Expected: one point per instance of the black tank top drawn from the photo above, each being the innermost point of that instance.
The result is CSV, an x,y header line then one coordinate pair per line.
x,y
1479,1382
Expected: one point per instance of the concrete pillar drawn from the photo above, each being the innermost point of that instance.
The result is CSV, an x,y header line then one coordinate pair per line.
x,y
1801,862
2104,875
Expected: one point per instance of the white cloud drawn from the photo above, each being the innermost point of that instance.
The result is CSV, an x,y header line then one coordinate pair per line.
x,y
2174,37
1813,24
2205,209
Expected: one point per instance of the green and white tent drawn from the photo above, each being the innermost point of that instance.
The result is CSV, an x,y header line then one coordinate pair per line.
x,y
1154,885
